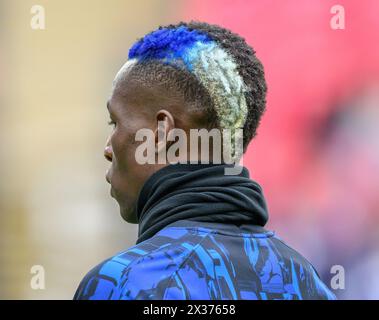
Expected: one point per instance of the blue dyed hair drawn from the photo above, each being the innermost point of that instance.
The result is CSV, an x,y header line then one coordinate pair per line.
x,y
169,45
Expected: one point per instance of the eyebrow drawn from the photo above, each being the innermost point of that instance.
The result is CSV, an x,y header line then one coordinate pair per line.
x,y
108,106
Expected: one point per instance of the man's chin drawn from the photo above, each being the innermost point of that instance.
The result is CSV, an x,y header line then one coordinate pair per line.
x,y
128,214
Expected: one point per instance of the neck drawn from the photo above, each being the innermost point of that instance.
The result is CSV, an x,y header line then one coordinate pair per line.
x,y
198,192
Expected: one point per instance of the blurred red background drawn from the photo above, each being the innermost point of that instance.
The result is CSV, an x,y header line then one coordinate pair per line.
x,y
317,149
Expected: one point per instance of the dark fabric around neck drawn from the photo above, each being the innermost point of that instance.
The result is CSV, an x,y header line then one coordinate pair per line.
x,y
198,192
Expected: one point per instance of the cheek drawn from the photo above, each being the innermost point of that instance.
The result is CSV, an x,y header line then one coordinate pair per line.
x,y
123,146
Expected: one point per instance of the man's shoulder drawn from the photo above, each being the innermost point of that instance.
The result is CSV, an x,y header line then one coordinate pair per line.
x,y
132,274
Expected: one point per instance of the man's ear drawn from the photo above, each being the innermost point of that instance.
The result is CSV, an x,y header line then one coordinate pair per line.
x,y
164,124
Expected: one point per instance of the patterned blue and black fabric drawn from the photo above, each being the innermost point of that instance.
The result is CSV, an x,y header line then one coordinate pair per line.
x,y
206,259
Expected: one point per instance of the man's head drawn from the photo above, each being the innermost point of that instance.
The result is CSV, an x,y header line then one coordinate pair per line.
x,y
186,76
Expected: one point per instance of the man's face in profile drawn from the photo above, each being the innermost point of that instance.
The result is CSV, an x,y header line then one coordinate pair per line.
x,y
126,117
131,107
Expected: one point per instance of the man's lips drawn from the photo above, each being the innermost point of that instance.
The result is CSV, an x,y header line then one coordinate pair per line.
x,y
107,177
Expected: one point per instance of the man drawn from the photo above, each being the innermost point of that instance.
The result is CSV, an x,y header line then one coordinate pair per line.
x,y
201,231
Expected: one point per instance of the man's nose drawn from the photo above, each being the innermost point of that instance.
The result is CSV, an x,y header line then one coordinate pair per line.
x,y
108,152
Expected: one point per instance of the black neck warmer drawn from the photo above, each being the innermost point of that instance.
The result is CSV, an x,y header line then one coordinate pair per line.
x,y
198,192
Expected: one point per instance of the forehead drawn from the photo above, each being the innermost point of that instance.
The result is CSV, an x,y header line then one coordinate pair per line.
x,y
123,73
121,86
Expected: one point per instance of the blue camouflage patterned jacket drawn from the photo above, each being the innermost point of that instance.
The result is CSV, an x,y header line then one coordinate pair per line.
x,y
185,261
